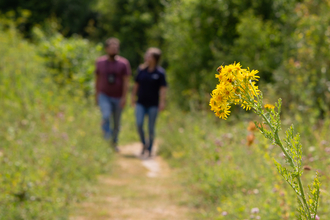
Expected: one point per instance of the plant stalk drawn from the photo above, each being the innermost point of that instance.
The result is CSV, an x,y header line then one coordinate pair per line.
x,y
279,143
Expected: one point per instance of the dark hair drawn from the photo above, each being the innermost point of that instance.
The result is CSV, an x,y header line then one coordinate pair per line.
x,y
156,53
112,40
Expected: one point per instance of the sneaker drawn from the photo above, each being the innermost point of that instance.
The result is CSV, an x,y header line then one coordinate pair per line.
x,y
114,146
144,149
149,153
116,149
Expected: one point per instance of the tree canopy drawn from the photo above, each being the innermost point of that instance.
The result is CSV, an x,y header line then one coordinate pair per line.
x,y
287,41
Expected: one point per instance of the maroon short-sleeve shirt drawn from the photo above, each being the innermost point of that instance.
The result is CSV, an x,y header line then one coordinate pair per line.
x,y
110,75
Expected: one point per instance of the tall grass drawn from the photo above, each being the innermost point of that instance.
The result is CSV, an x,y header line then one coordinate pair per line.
x,y
51,148
232,179
50,143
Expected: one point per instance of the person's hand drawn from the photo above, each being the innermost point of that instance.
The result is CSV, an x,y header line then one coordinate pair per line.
x,y
133,103
96,100
122,102
161,106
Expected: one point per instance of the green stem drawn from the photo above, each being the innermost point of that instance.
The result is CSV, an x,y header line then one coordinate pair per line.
x,y
279,143
317,199
303,196
276,137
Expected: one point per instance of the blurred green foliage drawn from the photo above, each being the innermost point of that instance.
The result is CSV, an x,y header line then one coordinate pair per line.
x,y
287,41
201,35
228,177
70,61
45,129
45,136
303,78
134,22
73,15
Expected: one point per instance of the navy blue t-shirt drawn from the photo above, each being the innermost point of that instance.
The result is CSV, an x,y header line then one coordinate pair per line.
x,y
149,85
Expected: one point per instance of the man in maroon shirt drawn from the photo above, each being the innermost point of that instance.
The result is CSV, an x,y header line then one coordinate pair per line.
x,y
112,77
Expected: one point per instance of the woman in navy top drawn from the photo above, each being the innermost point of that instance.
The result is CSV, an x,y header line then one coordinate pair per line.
x,y
148,95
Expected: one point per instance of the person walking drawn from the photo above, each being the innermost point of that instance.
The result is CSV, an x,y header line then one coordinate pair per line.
x,y
111,86
148,95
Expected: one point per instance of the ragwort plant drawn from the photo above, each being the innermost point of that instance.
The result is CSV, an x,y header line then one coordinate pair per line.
x,y
238,86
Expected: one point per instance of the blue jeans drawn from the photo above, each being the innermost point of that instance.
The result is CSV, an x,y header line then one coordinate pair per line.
x,y
140,112
110,106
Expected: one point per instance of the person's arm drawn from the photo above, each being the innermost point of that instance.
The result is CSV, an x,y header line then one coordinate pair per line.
x,y
125,90
96,86
134,93
162,98
162,91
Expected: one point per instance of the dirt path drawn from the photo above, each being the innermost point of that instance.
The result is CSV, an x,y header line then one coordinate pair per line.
x,y
137,189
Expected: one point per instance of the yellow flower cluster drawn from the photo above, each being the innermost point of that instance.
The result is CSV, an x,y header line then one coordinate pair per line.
x,y
236,86
269,106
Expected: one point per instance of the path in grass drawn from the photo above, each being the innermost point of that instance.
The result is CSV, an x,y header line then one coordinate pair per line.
x,y
136,189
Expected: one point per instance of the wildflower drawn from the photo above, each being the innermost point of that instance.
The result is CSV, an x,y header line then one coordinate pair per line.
x,y
311,148
250,139
316,217
218,142
254,210
269,106
223,112
252,126
236,86
311,159
324,142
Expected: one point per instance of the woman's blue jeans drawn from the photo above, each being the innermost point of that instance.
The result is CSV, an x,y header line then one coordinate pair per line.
x,y
140,113
110,107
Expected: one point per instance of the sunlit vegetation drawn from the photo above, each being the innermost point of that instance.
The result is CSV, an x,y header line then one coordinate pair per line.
x,y
50,141
50,147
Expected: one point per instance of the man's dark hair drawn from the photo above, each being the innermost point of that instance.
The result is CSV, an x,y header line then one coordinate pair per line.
x,y
112,40
156,53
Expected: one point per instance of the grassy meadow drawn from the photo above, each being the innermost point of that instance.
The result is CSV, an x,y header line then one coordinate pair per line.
x,y
51,146
50,142
231,178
